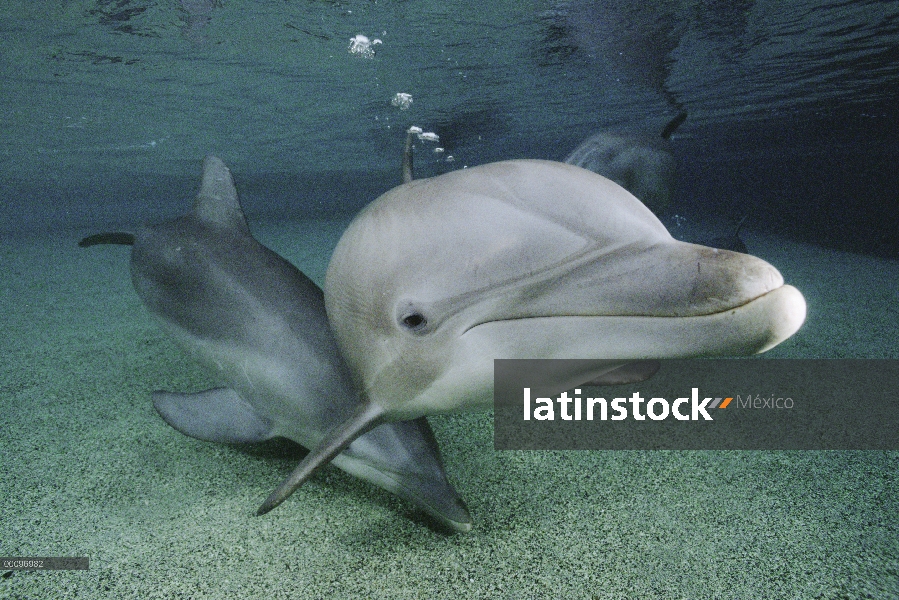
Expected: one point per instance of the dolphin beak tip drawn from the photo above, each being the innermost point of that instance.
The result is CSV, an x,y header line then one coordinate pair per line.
x,y
788,311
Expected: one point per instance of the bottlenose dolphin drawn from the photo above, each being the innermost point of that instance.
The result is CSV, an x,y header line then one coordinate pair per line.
x,y
525,259
639,160
259,324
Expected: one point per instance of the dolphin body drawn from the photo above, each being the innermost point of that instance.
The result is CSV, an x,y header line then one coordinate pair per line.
x,y
525,259
259,324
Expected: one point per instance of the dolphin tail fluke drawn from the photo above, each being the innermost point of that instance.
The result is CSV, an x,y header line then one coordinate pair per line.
x,y
367,417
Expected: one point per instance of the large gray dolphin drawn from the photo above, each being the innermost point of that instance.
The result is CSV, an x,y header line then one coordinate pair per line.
x,y
259,325
525,259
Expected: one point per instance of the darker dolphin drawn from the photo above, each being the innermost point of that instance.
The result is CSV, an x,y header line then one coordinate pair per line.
x,y
259,324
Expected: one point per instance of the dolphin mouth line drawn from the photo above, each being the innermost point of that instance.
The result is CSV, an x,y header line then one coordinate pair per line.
x,y
627,315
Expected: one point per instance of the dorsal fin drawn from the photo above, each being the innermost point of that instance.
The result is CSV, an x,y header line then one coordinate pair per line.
x,y
673,124
217,202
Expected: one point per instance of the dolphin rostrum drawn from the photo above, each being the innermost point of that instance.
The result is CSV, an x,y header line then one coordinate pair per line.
x,y
260,325
525,259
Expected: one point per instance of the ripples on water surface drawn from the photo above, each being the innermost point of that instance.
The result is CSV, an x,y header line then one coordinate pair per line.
x,y
100,93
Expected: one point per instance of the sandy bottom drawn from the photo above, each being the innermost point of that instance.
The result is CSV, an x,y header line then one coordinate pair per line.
x,y
90,469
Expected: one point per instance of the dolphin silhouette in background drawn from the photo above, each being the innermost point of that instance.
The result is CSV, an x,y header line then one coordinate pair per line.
x,y
260,325
639,160
525,259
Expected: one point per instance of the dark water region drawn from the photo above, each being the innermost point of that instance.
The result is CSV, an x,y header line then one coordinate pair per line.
x,y
107,199
109,106
827,177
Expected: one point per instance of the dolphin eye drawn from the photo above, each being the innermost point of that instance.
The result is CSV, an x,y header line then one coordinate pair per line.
x,y
410,316
414,321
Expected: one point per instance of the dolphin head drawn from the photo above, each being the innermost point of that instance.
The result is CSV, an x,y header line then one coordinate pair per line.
x,y
525,259
531,259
